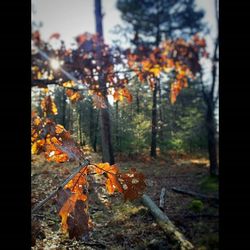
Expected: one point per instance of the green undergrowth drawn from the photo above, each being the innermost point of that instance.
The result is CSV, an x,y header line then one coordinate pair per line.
x,y
209,184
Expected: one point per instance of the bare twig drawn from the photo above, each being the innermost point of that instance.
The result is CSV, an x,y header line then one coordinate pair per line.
x,y
198,195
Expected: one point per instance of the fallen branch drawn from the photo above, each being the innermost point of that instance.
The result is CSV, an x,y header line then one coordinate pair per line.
x,y
167,226
197,195
61,186
194,216
162,198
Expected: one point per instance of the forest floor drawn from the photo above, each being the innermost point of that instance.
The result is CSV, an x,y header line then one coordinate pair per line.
x,y
129,225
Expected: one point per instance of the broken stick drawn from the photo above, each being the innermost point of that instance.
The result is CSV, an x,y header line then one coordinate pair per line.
x,y
162,198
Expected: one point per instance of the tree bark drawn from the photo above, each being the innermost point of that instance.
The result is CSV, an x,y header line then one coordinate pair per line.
x,y
154,108
96,131
137,102
107,149
160,114
63,108
117,137
211,137
168,227
91,124
154,122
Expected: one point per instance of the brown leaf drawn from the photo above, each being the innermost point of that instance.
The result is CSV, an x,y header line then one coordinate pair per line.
x,y
78,221
133,184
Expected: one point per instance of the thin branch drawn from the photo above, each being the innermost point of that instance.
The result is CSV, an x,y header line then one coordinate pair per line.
x,y
85,163
106,171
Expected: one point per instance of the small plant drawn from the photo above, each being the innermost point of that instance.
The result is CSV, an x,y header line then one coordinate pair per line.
x,y
196,206
209,184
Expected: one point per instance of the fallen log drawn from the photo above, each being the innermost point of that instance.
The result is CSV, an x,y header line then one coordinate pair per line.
x,y
162,198
194,194
168,227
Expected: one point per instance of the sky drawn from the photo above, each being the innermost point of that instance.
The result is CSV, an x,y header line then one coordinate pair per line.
x,y
73,17
70,18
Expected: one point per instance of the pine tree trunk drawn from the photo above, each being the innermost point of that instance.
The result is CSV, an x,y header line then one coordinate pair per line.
x,y
137,102
96,131
107,149
211,136
80,128
154,108
154,122
63,108
160,114
117,125
91,124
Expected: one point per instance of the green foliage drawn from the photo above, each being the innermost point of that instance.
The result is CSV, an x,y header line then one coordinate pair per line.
x,y
183,123
210,184
196,206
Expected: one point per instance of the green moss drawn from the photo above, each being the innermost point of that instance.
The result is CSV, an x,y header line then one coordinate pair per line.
x,y
196,206
209,184
124,211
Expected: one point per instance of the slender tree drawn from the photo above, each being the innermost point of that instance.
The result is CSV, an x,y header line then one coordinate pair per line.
x,y
107,148
152,21
211,95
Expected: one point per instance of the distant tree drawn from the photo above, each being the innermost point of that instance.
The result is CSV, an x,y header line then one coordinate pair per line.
x,y
107,147
160,19
153,21
211,95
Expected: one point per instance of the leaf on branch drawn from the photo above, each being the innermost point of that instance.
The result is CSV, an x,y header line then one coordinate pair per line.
x,y
72,206
73,95
69,84
133,184
54,140
121,93
48,106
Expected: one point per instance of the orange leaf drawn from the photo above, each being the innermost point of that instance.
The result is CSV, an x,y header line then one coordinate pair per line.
x,y
48,106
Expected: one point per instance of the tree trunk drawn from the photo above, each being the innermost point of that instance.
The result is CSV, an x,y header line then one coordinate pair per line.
x,y
91,124
63,108
95,134
137,102
211,137
154,108
154,122
160,114
80,127
117,126
107,149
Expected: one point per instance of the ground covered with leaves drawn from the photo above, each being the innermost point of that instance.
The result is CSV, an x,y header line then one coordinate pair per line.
x,y
129,225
